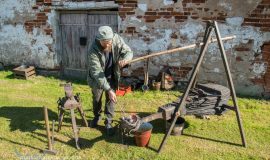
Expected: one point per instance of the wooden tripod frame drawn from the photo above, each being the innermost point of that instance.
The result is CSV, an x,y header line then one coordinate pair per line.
x,y
211,25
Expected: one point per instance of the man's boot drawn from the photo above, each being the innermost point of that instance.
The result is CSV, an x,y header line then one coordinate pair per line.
x,y
109,129
94,122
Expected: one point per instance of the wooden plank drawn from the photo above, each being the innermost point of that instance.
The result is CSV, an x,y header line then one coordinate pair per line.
x,y
31,73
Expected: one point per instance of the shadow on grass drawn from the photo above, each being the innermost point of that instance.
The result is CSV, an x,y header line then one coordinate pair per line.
x,y
25,119
21,144
210,139
89,143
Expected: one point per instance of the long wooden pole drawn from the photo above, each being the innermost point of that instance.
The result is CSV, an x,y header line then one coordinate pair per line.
x,y
175,50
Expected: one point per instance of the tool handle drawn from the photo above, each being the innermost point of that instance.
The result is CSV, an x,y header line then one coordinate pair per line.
x,y
46,117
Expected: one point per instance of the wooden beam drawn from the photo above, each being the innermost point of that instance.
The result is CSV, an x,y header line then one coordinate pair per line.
x,y
175,50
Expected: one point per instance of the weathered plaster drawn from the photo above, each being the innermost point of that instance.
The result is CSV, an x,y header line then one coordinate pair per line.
x,y
15,10
164,33
18,47
230,7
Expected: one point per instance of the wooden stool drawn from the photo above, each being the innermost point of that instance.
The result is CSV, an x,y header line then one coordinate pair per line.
x,y
70,102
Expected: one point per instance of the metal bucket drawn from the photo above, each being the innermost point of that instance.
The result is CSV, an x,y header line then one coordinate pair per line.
x,y
178,127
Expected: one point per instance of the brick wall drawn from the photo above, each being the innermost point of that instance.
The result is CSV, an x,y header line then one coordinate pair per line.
x,y
265,79
259,17
41,9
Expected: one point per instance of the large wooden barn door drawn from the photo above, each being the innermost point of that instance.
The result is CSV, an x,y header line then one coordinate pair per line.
x,y
78,31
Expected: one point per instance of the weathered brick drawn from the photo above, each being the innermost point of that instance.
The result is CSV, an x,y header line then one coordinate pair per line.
x,y
265,2
35,7
198,1
242,49
126,9
132,5
167,17
164,13
170,9
131,28
239,59
180,17
151,17
130,13
177,13
194,17
251,20
47,10
150,13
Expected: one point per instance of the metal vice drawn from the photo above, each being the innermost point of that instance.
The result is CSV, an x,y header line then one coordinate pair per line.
x,y
70,102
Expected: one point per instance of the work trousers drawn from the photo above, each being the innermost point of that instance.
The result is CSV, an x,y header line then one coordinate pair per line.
x,y
97,105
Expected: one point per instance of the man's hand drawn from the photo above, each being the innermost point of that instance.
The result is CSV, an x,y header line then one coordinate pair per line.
x,y
122,63
112,96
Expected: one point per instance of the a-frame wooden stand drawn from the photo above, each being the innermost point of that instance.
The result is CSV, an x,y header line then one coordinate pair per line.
x,y
211,25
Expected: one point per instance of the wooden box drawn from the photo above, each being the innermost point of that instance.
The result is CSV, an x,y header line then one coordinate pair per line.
x,y
24,72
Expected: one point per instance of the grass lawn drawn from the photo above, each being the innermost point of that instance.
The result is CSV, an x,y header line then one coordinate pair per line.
x,y
23,134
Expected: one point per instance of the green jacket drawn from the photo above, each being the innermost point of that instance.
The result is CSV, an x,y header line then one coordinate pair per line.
x,y
96,62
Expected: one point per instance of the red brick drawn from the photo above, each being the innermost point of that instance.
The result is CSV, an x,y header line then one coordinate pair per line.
x,y
198,1
130,13
239,59
177,13
265,29
179,20
258,81
170,9
126,9
186,13
164,13
151,17
150,20
41,14
265,20
265,2
242,49
39,3
167,17
131,28
150,13
221,18
180,17
47,10
188,9
251,20
120,2
122,13
133,5
194,17
35,7
131,1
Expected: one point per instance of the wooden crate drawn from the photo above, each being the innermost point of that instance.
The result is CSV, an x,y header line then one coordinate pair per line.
x,y
24,72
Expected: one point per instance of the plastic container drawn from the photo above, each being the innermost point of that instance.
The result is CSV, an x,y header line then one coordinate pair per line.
x,y
143,134
123,90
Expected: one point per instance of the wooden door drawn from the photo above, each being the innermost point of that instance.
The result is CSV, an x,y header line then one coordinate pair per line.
x,y
77,28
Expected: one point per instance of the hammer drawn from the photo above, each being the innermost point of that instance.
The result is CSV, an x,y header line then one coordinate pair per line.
x,y
50,146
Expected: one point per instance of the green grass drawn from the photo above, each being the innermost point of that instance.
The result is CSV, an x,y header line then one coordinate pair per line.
x,y
23,135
